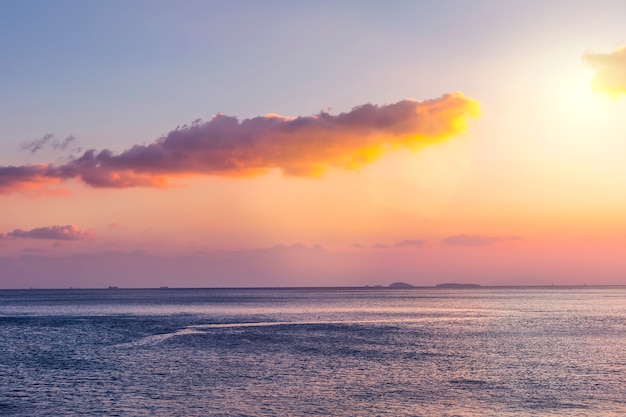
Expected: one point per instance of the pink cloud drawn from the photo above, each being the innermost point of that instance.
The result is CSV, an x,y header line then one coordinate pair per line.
x,y
475,240
224,146
415,243
293,248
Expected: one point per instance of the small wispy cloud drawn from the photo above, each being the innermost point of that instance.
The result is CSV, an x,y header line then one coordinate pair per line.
x,y
475,240
409,243
295,247
48,140
415,243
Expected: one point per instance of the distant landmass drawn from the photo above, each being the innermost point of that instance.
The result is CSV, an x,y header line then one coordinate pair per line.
x,y
400,285
457,285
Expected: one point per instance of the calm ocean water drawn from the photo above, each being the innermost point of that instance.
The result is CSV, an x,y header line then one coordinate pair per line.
x,y
297,352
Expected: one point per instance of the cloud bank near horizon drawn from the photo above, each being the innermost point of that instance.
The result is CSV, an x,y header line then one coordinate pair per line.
x,y
610,76
224,146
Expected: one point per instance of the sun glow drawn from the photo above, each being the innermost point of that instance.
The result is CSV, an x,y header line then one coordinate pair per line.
x,y
579,120
580,101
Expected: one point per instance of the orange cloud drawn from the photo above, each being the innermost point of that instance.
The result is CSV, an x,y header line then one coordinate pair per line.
x,y
610,76
302,146
25,178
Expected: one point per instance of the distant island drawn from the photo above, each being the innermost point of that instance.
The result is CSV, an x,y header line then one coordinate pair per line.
x,y
400,285
456,285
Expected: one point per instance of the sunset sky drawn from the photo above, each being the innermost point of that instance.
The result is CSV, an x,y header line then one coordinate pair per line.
x,y
244,143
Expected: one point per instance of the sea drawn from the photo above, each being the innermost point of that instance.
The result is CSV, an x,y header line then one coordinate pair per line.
x,y
488,351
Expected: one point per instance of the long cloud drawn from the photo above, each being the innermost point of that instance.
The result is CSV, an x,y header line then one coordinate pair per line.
x,y
610,68
224,146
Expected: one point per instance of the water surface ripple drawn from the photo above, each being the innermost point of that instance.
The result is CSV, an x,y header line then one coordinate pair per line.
x,y
295,352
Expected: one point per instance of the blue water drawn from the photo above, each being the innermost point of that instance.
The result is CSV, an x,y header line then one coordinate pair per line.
x,y
296,352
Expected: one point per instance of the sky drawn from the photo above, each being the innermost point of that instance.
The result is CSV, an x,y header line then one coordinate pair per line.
x,y
253,144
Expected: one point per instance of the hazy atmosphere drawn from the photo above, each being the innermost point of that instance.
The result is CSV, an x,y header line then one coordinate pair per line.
x,y
251,144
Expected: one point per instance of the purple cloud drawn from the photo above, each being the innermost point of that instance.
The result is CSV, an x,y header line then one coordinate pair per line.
x,y
25,177
49,140
67,232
